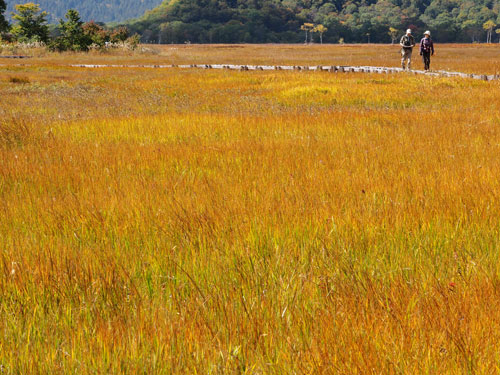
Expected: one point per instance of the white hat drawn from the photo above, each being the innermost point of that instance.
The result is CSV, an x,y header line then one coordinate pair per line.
x,y
427,33
408,31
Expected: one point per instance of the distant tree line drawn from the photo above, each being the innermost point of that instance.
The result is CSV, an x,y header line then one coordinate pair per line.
x,y
293,21
72,34
257,21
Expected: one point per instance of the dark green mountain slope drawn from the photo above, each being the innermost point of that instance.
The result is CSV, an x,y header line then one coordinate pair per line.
x,y
257,21
103,11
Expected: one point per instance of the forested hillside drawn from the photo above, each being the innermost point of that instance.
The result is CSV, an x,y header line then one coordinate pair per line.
x,y
261,21
103,11
254,21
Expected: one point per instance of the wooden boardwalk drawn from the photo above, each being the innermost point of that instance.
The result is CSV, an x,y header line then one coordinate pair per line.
x,y
328,68
14,57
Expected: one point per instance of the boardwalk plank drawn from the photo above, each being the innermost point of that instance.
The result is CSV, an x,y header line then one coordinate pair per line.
x,y
318,68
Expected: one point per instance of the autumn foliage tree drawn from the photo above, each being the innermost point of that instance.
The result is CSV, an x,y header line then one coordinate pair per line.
x,y
308,28
97,33
120,34
489,26
320,29
393,33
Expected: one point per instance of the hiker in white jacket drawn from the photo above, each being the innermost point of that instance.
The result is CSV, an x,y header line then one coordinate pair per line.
x,y
407,43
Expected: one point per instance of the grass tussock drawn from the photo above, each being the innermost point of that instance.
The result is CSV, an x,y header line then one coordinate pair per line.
x,y
21,80
229,222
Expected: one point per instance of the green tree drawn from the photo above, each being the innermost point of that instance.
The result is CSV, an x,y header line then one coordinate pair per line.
x,y
73,36
4,25
472,28
441,17
31,23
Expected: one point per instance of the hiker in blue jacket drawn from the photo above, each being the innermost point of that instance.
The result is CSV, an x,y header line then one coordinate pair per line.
x,y
426,49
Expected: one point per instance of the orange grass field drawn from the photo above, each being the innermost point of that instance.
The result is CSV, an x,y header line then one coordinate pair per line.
x,y
169,221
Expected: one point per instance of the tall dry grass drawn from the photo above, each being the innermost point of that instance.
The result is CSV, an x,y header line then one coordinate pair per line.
x,y
170,221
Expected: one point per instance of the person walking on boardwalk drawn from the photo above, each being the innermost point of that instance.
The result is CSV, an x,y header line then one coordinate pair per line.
x,y
426,50
407,43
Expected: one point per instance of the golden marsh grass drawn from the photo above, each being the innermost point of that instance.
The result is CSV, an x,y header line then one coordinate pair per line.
x,y
222,222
